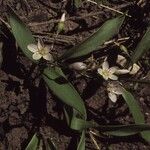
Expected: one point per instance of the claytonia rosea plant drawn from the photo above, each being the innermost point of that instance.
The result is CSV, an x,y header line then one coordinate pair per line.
x,y
58,83
110,73
121,60
106,72
114,90
61,24
40,51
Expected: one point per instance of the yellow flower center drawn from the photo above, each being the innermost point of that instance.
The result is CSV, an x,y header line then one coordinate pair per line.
x,y
106,73
42,51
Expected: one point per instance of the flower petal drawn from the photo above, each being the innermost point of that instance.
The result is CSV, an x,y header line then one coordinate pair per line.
x,y
48,57
78,66
134,69
99,70
36,56
112,97
46,49
121,60
32,47
105,77
113,77
105,65
113,69
115,87
63,17
122,71
39,45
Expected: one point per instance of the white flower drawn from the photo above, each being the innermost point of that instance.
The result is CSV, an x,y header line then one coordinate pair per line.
x,y
109,73
63,18
40,51
114,89
61,24
106,72
121,71
134,69
79,66
121,60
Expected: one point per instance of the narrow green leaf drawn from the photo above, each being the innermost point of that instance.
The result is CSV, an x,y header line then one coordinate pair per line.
x,y
124,130
61,87
115,130
142,47
136,112
21,33
80,124
68,115
77,3
104,33
33,144
81,145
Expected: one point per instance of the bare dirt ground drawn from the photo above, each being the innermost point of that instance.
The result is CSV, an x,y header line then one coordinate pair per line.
x,y
27,106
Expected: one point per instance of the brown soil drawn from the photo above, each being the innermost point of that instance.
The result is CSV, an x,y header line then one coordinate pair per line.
x,y
27,106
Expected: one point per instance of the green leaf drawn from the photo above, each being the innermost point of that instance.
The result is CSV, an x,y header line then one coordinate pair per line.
x,y
81,145
124,130
80,124
77,3
61,87
33,144
76,124
21,33
142,47
134,127
68,114
136,112
115,130
104,33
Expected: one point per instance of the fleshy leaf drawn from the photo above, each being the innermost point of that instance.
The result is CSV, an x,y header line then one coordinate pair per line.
x,y
104,33
61,87
21,33
142,47
33,144
125,130
80,124
81,145
115,130
77,3
136,112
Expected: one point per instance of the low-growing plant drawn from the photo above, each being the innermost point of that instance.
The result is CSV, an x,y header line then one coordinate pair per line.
x,y
53,74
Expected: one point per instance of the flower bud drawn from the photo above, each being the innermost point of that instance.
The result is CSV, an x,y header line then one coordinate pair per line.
x,y
61,24
121,60
79,66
